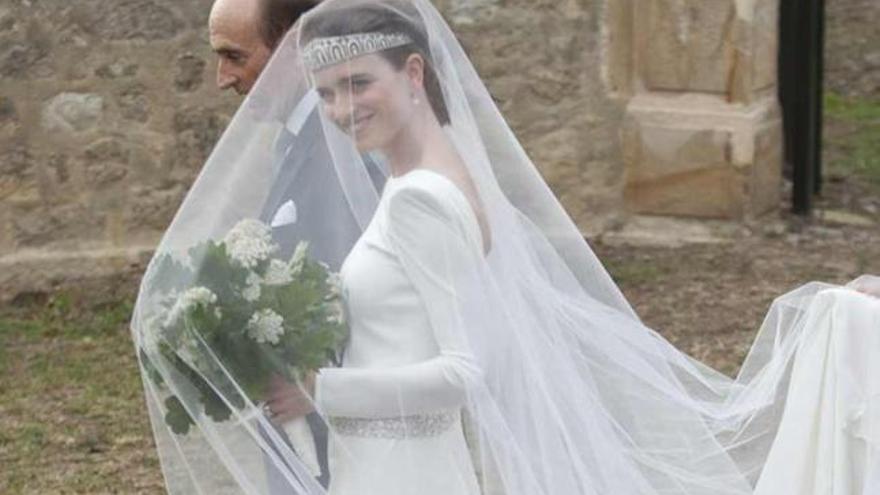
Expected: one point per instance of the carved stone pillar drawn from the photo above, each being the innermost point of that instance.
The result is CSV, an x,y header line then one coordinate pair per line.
x,y
702,132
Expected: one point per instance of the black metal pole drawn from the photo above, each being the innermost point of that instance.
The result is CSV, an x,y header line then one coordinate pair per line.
x,y
817,72
795,113
800,75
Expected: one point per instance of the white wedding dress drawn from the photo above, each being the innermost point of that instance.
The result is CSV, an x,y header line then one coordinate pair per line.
x,y
397,399
828,438
397,364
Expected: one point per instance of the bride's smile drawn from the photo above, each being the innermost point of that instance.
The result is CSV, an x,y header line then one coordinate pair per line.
x,y
360,124
367,98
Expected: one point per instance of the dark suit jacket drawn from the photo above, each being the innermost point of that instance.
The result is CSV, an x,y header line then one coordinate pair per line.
x,y
305,175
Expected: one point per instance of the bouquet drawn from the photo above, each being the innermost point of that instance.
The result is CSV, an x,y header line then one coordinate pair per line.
x,y
232,316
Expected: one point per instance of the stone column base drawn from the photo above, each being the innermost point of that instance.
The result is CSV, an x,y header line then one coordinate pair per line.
x,y
697,155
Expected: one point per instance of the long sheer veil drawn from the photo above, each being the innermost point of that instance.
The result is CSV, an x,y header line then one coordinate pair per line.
x,y
567,391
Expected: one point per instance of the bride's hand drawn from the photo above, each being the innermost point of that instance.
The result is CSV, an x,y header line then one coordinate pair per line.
x,y
866,284
287,401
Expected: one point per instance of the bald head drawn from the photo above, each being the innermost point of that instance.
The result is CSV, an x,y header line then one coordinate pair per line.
x,y
235,38
235,8
245,32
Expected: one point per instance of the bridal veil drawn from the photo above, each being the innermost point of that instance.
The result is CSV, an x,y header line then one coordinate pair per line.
x,y
567,391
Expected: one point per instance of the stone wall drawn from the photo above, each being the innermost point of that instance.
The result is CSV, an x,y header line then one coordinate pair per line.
x,y
108,110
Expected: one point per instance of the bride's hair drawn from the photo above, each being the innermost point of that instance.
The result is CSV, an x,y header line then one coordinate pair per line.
x,y
390,17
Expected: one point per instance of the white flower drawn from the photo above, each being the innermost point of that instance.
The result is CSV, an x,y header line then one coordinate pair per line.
x,y
189,349
249,242
337,312
266,326
334,281
191,298
148,333
299,257
278,273
200,295
252,292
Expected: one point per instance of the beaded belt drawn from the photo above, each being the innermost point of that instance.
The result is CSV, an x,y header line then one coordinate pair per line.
x,y
418,425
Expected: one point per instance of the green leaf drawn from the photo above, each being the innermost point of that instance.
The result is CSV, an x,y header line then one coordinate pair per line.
x,y
215,407
176,416
151,370
168,275
216,271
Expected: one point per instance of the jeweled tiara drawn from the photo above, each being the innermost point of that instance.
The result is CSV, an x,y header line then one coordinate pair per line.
x,y
324,52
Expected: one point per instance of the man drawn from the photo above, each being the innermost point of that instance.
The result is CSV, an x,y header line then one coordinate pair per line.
x,y
243,34
305,192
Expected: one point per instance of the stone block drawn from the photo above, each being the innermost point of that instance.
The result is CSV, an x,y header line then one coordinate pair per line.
x,y
10,120
117,69
72,112
134,104
765,44
704,159
196,131
618,46
150,209
655,152
765,183
25,47
470,12
686,45
18,178
722,47
717,192
189,72
7,19
113,160
16,59
57,183
7,110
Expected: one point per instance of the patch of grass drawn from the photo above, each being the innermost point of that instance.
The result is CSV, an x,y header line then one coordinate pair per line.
x,y
854,109
33,436
859,143
64,315
633,272
69,391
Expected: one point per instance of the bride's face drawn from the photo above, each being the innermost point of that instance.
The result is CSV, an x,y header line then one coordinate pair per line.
x,y
368,99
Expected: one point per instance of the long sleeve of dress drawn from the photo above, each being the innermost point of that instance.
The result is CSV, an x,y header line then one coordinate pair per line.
x,y
436,238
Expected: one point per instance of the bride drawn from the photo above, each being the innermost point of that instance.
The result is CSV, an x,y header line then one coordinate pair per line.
x,y
489,352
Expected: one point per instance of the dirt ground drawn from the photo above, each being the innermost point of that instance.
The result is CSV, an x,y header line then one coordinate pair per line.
x,y
710,299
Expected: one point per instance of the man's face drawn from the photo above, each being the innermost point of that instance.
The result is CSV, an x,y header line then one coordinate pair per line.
x,y
241,53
